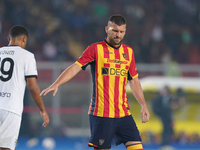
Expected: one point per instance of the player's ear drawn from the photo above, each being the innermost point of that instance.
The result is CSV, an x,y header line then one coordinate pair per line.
x,y
106,29
8,37
24,39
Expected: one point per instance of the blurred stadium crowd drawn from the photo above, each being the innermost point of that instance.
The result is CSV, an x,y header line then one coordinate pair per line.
x,y
159,31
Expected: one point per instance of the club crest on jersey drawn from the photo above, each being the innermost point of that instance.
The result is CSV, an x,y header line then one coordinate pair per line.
x,y
101,141
124,55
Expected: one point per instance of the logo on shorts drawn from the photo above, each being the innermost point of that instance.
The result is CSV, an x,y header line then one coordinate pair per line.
x,y
101,141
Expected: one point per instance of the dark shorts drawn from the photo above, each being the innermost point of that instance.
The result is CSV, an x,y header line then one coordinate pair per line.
x,y
104,130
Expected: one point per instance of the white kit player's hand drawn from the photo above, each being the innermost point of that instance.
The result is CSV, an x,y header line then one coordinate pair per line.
x,y
45,118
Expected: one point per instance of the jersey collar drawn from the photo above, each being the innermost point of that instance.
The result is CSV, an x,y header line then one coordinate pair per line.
x,y
113,46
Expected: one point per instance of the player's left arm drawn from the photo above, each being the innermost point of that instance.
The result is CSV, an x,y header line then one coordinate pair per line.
x,y
138,93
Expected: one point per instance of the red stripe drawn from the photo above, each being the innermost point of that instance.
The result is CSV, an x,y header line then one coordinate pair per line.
x,y
127,104
106,95
106,51
116,96
90,144
124,97
97,91
107,65
90,106
106,85
116,90
117,55
117,66
126,52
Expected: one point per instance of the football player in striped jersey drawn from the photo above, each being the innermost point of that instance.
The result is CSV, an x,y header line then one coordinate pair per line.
x,y
112,65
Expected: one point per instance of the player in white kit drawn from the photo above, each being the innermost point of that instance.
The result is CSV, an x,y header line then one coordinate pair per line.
x,y
17,68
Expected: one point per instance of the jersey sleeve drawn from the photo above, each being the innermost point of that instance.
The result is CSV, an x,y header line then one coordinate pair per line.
x,y
132,73
87,57
30,67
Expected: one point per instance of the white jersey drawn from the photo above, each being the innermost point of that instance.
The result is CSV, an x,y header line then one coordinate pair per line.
x,y
16,64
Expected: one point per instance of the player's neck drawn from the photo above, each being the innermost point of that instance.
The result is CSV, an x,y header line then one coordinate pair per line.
x,y
15,43
112,45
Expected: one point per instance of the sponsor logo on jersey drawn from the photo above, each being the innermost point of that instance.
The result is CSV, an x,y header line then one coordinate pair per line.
x,y
5,94
109,52
114,71
117,61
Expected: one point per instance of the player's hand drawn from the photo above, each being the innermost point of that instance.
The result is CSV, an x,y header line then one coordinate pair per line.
x,y
45,117
52,88
145,114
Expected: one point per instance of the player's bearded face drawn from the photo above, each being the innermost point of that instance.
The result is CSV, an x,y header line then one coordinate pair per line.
x,y
115,33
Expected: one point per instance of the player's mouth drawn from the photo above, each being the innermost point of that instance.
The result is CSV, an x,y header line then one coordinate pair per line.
x,y
117,38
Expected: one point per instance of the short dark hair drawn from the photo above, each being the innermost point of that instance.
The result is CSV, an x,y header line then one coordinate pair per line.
x,y
117,19
18,30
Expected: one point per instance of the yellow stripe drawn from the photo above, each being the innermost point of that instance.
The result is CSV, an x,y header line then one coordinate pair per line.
x,y
134,147
135,76
130,58
121,82
90,144
78,63
130,53
100,80
129,113
111,87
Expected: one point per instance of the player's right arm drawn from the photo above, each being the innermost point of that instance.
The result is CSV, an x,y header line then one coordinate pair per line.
x,y
35,91
87,57
65,76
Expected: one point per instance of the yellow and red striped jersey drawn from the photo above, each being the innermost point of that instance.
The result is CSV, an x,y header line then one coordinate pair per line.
x,y
111,68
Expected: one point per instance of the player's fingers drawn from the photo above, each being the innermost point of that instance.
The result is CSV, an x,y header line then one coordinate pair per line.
x,y
42,93
146,117
55,91
45,91
45,124
143,117
45,118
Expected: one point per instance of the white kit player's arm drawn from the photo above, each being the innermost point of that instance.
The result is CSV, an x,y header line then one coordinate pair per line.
x,y
35,93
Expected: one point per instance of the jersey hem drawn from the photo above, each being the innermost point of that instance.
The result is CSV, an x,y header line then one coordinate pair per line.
x,y
12,112
31,76
135,76
110,117
78,63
